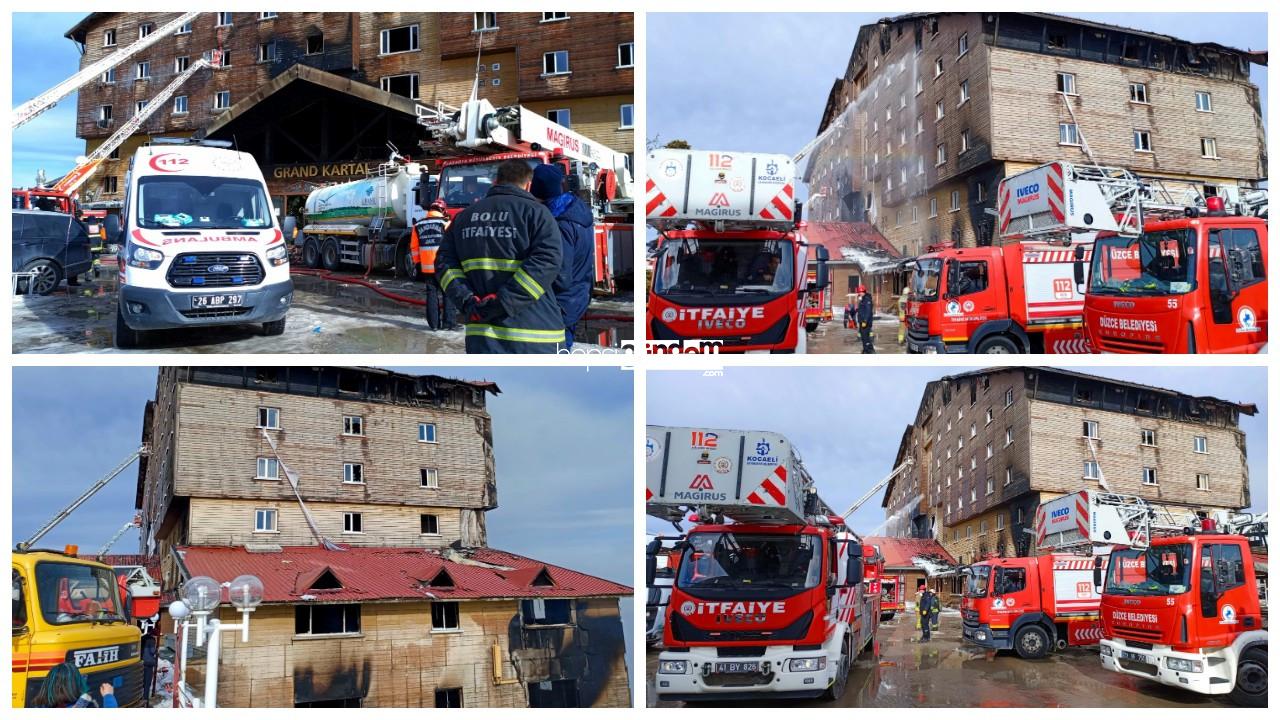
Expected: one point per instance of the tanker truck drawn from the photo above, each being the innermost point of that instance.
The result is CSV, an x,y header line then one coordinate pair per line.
x,y
367,222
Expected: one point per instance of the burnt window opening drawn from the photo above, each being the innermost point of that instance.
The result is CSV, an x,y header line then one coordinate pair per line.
x,y
1057,40
449,697
542,611
315,44
401,39
430,524
442,579
350,382
554,694
444,616
1084,394
350,702
326,619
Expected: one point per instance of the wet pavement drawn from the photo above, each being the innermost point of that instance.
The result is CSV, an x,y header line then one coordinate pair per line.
x,y
834,337
326,317
903,672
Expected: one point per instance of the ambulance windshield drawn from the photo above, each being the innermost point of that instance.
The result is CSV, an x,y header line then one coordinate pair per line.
x,y
1163,570
742,561
184,202
724,268
924,279
1156,263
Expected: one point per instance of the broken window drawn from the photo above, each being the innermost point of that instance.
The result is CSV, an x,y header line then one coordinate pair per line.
x,y
542,611
315,44
402,85
1057,41
554,694
1067,83
444,616
1090,429
398,40
1138,93
449,697
1148,476
1149,437
484,21
352,425
429,477
555,63
326,619
430,525
269,418
353,473
267,51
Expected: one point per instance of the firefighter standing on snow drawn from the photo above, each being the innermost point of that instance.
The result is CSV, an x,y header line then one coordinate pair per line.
x,y
866,315
498,261
577,233
442,314
927,610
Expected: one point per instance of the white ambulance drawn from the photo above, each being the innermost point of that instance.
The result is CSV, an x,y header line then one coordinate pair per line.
x,y
201,243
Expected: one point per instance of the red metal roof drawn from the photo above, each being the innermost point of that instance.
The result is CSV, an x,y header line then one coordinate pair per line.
x,y
368,574
152,564
898,551
837,235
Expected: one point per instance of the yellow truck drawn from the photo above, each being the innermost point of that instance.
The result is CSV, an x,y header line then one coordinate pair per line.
x,y
66,609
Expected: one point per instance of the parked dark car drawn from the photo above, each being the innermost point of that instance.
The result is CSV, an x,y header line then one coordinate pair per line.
x,y
54,246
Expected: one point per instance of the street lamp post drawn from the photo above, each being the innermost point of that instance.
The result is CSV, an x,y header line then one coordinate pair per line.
x,y
201,597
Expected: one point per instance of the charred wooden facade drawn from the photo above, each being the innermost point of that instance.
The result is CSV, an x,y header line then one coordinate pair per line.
x,y
321,127
990,446
935,109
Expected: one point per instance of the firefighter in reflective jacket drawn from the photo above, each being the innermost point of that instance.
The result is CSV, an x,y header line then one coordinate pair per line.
x,y
427,233
498,261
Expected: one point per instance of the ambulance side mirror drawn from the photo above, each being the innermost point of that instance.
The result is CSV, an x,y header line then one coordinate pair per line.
x,y
1078,267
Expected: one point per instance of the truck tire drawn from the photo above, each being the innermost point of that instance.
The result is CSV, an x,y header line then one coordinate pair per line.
x,y
1031,642
311,252
329,254
46,278
997,345
406,266
126,338
1251,679
887,615
841,680
810,325
275,327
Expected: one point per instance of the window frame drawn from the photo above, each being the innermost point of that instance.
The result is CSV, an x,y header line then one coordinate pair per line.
x,y
1074,140
1142,135
478,27
1072,92
346,632
1200,444
350,519
445,628
349,471
358,424
631,53
622,122
216,97
218,19
435,434
1146,98
555,54
1148,471
1207,95
563,16
1209,142
268,410
1087,427
263,461
384,40
272,513
422,519
142,70
384,84
962,45
1143,435
185,105
110,34
1091,465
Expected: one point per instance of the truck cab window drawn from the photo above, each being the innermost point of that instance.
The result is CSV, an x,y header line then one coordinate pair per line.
x,y
1011,580
19,602
1220,288
967,278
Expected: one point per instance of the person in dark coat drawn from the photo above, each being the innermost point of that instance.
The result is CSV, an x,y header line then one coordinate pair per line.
x,y
577,234
149,661
866,313
927,611
498,261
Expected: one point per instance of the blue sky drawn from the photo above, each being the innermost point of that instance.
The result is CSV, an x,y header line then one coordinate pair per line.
x,y
562,499
43,58
758,82
847,422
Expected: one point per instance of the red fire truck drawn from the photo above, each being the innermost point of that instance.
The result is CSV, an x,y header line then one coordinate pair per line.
x,y
1032,605
475,138
771,598
893,596
1171,270
731,258
1183,602
817,307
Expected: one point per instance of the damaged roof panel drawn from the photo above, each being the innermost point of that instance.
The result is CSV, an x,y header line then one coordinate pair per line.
x,y
371,574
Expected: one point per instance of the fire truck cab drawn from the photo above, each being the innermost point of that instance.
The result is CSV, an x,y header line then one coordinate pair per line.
x,y
1032,605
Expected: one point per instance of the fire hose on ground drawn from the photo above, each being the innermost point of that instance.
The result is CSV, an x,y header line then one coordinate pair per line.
x,y
326,275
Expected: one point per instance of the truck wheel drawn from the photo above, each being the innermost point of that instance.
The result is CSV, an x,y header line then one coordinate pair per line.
x,y
1031,642
329,254
1251,679
810,326
311,252
46,278
997,345
886,616
408,268
275,327
841,680
126,337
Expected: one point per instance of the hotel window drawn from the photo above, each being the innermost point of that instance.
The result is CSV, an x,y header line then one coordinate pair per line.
x,y
353,473
145,29
352,522
269,418
224,19
955,200
429,477
1067,83
1008,475
444,616
941,155
398,40
139,106
626,55
144,70
108,77
1148,476
553,16
555,63
1138,93
937,67
430,524
939,110
352,425
1068,134
267,52
1149,438
964,141
1209,148
1204,102
964,92
560,117
1089,429
426,432
267,15
403,85
315,44
180,64
222,100
1201,444
109,38
626,116
963,44
1091,471
268,469
1142,141
180,105
1202,481
484,21
264,521
1008,436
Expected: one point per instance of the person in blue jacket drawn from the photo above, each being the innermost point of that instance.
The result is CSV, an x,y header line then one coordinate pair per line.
x,y
577,233
65,687
498,262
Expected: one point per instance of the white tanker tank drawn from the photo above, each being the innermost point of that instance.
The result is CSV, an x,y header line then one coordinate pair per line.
x,y
366,222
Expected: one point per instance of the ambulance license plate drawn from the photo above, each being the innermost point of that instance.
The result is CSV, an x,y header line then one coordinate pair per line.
x,y
737,667
217,301
1135,657
96,656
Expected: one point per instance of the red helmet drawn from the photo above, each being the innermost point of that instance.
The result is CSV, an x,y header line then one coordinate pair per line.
x,y
862,288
